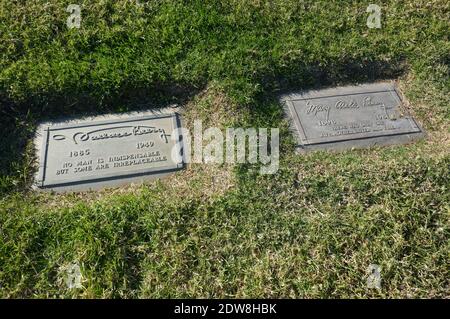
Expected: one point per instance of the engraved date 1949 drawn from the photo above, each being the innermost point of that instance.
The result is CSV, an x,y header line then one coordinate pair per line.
x,y
146,144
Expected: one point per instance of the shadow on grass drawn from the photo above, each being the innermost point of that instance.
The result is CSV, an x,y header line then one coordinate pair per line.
x,y
339,73
18,122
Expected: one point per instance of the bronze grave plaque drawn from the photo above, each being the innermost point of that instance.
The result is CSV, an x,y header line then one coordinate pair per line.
x,y
352,116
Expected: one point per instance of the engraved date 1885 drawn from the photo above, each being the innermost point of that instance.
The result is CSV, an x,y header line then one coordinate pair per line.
x,y
80,153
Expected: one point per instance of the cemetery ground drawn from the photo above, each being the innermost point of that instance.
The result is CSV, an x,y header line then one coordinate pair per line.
x,y
310,230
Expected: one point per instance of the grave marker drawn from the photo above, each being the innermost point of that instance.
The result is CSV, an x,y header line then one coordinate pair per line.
x,y
106,151
353,116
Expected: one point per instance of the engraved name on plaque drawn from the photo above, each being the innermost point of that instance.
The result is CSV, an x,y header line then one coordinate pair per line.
x,y
353,116
94,153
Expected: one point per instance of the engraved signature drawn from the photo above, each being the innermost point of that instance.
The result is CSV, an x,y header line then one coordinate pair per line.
x,y
368,102
318,108
346,105
108,133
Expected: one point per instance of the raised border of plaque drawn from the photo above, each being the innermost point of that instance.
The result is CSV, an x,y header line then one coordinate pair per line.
x,y
357,116
120,131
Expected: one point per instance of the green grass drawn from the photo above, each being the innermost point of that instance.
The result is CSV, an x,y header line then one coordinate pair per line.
x,y
311,230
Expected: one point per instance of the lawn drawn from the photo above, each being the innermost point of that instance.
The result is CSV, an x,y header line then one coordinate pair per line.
x,y
309,231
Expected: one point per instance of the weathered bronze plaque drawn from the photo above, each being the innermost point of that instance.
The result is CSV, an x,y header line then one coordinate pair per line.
x,y
352,116
102,152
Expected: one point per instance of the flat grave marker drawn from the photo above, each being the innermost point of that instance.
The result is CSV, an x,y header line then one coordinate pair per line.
x,y
106,151
352,116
